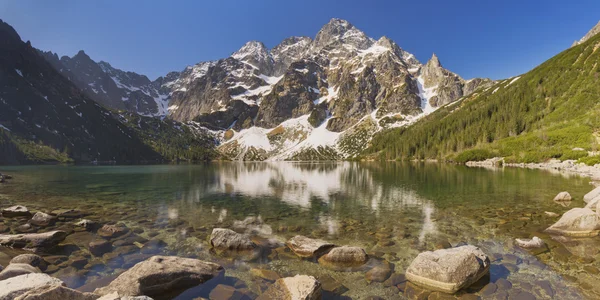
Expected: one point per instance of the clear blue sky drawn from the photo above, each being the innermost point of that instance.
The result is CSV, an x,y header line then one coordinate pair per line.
x,y
474,38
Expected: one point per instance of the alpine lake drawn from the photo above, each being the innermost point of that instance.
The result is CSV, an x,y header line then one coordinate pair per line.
x,y
393,210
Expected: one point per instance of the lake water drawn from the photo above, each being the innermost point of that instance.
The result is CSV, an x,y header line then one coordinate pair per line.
x,y
392,210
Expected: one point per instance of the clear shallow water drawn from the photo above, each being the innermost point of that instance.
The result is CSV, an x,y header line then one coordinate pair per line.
x,y
393,210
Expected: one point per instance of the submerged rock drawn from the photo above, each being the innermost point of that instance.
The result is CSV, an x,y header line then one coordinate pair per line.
x,y
112,231
161,275
533,243
306,247
551,214
42,219
578,222
13,287
299,287
87,224
33,241
16,211
99,247
228,241
448,270
563,196
344,257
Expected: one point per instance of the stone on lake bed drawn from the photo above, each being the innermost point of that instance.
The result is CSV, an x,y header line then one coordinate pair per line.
x,y
42,219
14,287
306,247
533,243
116,296
16,211
112,231
551,214
563,196
227,239
344,258
577,222
33,241
160,275
299,287
448,270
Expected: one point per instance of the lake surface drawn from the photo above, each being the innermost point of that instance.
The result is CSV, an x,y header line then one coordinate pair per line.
x,y
392,210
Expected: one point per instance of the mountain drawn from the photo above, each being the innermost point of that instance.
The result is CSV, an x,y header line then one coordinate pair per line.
x,y
595,30
320,98
551,111
111,87
45,117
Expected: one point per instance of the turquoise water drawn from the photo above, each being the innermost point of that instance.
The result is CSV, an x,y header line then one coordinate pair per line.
x,y
418,206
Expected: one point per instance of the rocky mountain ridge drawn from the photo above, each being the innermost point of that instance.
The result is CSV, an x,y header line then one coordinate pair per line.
x,y
302,96
341,83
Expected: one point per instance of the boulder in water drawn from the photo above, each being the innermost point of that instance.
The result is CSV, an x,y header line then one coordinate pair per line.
x,y
306,247
299,287
16,211
577,222
344,258
563,196
14,287
162,275
448,270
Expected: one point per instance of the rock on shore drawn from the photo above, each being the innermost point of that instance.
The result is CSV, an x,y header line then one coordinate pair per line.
x,y
448,270
13,287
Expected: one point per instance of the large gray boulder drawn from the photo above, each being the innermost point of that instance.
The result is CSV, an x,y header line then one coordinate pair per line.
x,y
14,270
344,257
306,247
57,292
594,194
13,287
33,241
299,287
577,222
160,275
16,211
448,270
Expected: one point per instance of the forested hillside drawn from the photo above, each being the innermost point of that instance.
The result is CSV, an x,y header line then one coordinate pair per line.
x,y
546,113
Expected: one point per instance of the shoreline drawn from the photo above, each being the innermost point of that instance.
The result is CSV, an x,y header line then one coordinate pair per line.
x,y
566,167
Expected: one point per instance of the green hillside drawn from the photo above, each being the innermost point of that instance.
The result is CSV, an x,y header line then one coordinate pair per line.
x,y
541,115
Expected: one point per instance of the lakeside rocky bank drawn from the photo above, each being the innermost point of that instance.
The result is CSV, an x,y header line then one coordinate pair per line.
x,y
570,167
242,242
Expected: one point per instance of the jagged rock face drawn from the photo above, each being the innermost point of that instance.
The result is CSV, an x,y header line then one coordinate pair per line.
x,y
290,50
341,32
257,55
595,30
447,86
111,87
294,95
39,104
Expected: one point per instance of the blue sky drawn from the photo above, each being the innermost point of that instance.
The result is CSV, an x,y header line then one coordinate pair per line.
x,y
473,38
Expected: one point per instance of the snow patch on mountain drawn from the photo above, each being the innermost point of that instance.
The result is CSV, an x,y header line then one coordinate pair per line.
x,y
425,94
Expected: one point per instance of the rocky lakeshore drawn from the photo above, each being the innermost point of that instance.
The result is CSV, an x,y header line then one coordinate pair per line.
x,y
553,165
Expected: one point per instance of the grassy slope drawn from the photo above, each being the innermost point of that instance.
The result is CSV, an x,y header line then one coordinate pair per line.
x,y
544,114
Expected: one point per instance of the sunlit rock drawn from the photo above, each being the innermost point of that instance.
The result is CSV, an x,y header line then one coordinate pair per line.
x,y
448,270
